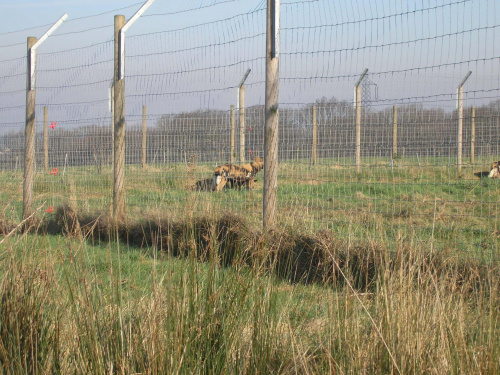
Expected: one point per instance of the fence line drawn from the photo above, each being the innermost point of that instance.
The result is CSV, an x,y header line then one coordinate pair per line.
x,y
333,127
386,162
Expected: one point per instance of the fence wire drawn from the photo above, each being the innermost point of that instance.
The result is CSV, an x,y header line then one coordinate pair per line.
x,y
183,67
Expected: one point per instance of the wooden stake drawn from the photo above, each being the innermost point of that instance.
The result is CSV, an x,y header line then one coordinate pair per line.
x,y
45,139
233,131
358,129
144,136
357,90
460,128
473,136
242,123
315,136
119,133
460,106
29,140
394,131
272,115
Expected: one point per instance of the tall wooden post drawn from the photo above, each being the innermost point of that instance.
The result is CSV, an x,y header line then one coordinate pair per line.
x,y
144,129
357,89
233,131
271,127
29,135
460,106
241,109
315,136
358,129
29,138
460,127
112,123
119,131
472,135
394,131
45,139
242,122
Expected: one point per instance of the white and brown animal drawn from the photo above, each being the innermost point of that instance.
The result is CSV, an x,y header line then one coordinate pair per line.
x,y
495,170
237,175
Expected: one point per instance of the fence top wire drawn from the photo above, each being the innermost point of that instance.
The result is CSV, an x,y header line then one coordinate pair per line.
x,y
184,63
197,51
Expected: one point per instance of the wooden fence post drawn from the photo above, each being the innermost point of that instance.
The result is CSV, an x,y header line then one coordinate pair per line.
x,y
315,136
271,126
242,123
358,129
29,132
473,135
29,139
45,139
112,124
460,126
460,106
357,88
394,132
233,131
144,129
119,131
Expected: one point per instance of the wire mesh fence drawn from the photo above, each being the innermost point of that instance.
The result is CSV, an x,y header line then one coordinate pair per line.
x,y
183,69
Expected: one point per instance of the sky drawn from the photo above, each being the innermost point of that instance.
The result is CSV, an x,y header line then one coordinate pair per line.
x,y
23,14
23,18
190,55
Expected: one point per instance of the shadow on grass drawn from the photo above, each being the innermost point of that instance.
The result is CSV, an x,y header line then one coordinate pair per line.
x,y
294,257
482,174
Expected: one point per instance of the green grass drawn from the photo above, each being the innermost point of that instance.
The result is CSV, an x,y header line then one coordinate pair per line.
x,y
384,202
67,306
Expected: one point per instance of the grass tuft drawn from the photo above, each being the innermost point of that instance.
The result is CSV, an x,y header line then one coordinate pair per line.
x,y
211,295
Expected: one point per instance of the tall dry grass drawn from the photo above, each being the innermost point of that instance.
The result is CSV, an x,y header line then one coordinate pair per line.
x,y
210,296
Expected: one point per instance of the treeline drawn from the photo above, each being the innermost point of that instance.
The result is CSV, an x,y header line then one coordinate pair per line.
x,y
206,135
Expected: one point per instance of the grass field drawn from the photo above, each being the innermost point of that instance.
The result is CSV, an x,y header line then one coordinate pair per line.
x,y
69,306
423,199
391,271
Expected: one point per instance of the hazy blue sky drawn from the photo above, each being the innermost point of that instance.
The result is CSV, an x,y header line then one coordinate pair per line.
x,y
180,59
23,14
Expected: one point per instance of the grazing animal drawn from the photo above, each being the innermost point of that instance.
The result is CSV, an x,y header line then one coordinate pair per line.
x,y
237,175
495,170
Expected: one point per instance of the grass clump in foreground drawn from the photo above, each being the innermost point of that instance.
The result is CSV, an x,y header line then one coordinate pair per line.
x,y
211,296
